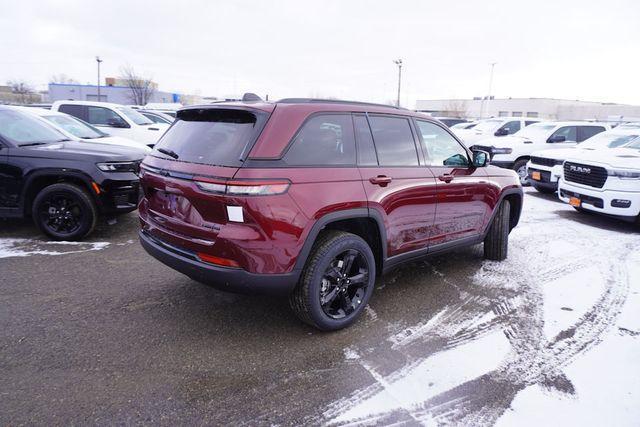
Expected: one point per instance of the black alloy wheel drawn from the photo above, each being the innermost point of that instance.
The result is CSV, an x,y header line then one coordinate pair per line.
x,y
344,284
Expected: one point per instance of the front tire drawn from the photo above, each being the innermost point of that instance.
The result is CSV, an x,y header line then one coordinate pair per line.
x,y
336,283
496,243
64,212
521,169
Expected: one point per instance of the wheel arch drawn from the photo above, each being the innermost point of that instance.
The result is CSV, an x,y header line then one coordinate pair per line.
x,y
515,196
365,223
40,179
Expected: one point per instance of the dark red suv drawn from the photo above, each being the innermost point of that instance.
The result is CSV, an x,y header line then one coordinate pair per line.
x,y
315,198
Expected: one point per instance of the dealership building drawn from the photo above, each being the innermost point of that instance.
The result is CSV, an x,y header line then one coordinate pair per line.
x,y
543,108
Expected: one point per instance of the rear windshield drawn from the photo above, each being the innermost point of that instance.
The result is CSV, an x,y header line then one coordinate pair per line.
x,y
210,136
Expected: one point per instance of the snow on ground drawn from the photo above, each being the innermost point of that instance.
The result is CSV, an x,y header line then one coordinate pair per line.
x,y
10,247
561,348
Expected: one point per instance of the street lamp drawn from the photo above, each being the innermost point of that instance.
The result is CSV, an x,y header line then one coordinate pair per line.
x,y
488,97
398,62
98,60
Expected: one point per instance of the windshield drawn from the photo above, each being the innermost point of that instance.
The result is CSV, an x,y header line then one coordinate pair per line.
x,y
76,127
635,144
209,136
488,125
536,130
608,140
23,129
134,116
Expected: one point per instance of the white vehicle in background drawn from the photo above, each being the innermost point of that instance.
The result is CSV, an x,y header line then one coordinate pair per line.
x,y
545,167
604,181
498,127
169,108
115,119
77,130
514,151
464,125
157,116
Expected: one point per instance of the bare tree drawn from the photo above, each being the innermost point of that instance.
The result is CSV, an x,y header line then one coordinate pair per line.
x,y
455,108
141,89
23,92
62,78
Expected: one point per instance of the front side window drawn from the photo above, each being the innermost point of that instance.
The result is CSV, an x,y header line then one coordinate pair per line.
x,y
394,141
511,127
568,132
325,139
102,116
442,149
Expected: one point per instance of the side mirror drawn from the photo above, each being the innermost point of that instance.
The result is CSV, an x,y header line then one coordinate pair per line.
x,y
557,138
480,158
502,132
117,123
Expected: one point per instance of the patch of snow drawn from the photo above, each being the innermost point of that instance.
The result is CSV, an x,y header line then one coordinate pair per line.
x,y
10,247
351,354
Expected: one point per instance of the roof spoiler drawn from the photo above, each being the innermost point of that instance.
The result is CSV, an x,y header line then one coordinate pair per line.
x,y
250,97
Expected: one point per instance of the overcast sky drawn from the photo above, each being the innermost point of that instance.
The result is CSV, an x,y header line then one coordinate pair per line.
x,y
564,49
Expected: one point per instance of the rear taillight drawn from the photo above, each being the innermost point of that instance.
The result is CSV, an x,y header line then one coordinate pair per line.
x,y
225,262
249,187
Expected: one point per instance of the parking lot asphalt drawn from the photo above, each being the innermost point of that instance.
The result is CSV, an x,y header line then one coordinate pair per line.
x,y
101,333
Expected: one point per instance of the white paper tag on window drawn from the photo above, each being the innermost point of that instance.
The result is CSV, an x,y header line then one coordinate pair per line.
x,y
235,213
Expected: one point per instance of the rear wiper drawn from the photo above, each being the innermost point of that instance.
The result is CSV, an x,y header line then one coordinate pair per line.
x,y
168,152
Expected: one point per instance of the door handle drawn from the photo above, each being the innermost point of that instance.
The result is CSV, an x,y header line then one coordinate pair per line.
x,y
381,180
447,177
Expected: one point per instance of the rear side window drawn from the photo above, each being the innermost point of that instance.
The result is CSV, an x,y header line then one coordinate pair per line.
x,y
586,132
364,140
325,139
78,111
394,141
210,136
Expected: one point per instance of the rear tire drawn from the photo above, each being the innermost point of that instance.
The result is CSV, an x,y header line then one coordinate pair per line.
x,y
333,291
64,212
521,169
496,243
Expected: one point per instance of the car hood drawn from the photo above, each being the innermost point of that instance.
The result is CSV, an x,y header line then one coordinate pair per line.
x,y
615,157
117,140
502,141
74,150
556,153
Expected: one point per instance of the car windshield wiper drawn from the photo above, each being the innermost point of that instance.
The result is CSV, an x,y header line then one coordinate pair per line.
x,y
29,144
168,152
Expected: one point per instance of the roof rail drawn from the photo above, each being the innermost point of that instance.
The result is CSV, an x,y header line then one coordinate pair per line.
x,y
332,101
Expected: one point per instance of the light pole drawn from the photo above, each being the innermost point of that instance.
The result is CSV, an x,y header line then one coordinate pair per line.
x,y
98,60
398,62
493,64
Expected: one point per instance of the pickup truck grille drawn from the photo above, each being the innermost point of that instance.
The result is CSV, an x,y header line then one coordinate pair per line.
x,y
593,176
544,161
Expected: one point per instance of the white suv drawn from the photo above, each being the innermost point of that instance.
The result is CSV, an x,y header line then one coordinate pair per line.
x,y
500,126
513,152
545,167
115,119
604,181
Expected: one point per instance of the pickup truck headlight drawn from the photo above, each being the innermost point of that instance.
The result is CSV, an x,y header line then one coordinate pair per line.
x,y
501,150
624,173
119,166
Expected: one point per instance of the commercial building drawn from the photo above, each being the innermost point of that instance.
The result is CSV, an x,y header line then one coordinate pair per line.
x,y
543,108
114,91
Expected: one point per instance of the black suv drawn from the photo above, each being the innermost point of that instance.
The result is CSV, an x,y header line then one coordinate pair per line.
x,y
63,185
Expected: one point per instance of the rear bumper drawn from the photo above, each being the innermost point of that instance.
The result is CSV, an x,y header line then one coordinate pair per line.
x,y
223,278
